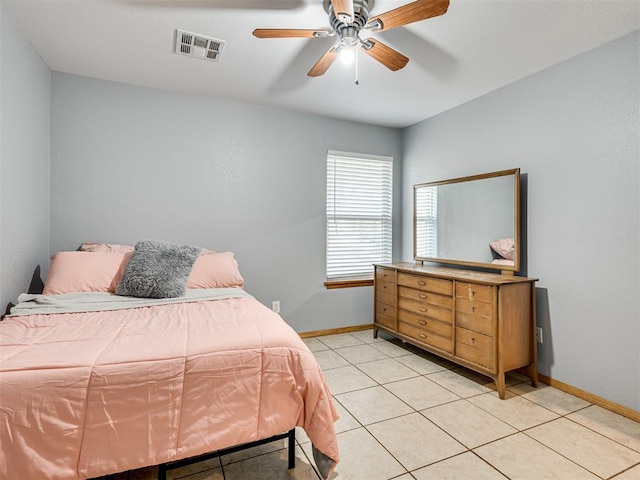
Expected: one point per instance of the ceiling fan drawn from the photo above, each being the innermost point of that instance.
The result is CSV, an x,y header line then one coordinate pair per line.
x,y
348,18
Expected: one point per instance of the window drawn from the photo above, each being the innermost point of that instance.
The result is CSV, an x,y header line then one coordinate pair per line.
x,y
359,214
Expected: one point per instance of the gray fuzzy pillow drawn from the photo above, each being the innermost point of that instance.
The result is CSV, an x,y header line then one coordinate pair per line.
x,y
157,270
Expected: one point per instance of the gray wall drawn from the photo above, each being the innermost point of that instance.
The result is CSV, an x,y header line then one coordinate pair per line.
x,y
24,161
574,130
131,163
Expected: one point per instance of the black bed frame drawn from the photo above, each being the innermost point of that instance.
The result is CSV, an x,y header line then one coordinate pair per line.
x,y
291,435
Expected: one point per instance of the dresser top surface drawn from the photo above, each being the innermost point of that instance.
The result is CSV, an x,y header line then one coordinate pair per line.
x,y
457,273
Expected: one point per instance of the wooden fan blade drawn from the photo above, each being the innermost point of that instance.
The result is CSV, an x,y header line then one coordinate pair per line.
x,y
411,12
324,63
288,33
387,56
343,9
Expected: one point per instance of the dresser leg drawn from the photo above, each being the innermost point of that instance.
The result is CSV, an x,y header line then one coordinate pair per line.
x,y
500,383
533,374
375,332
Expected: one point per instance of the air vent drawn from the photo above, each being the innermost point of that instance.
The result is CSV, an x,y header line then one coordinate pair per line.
x,y
199,46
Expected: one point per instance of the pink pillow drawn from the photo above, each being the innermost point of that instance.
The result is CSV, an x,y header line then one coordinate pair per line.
x,y
85,272
503,261
215,270
105,247
504,247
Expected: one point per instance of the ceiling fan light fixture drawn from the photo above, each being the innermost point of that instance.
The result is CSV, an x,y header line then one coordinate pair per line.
x,y
347,55
349,36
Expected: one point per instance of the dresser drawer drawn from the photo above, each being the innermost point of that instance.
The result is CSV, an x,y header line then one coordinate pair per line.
x,y
437,341
386,298
425,309
476,323
426,297
388,321
474,308
479,317
430,325
385,309
385,275
475,347
474,292
435,285
386,290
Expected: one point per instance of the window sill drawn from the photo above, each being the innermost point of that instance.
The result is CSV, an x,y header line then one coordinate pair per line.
x,y
349,282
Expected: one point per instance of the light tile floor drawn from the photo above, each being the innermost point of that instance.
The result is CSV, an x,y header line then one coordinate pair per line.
x,y
407,414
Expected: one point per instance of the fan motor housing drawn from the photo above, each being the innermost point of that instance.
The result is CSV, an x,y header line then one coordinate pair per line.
x,y
348,32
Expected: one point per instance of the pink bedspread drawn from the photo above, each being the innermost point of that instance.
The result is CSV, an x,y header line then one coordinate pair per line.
x,y
88,394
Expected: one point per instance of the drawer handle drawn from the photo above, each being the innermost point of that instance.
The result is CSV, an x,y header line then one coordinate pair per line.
x,y
384,287
473,293
423,310
422,284
473,339
422,296
473,309
422,322
422,335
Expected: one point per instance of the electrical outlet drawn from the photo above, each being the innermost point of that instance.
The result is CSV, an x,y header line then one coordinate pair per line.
x,y
538,334
275,306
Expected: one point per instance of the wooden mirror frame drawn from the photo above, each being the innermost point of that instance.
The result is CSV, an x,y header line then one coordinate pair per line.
x,y
506,269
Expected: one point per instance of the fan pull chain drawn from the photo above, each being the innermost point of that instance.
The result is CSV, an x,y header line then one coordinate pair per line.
x,y
357,82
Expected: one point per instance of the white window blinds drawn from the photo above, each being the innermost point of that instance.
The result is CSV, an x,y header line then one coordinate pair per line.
x,y
426,217
359,213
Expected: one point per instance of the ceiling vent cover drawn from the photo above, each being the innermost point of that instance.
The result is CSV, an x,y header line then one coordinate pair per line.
x,y
199,46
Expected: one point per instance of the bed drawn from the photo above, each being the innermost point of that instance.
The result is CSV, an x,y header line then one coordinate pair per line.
x,y
93,382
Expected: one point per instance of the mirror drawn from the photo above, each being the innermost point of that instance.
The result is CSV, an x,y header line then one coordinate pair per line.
x,y
472,221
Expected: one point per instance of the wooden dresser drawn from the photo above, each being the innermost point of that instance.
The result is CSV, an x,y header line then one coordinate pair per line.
x,y
483,321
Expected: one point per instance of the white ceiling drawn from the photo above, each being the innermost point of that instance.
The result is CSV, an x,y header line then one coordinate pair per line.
x,y
476,47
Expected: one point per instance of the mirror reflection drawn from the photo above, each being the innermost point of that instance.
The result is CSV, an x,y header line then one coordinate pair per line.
x,y
470,221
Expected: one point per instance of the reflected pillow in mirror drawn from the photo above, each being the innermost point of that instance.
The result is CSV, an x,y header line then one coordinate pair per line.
x,y
504,247
503,261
